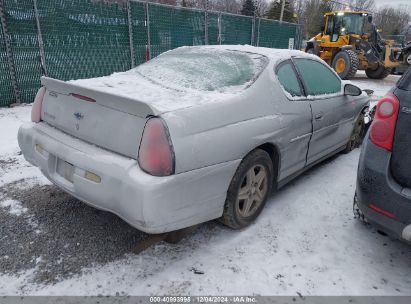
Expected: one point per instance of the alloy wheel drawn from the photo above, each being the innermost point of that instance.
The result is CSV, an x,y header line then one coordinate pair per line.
x,y
252,191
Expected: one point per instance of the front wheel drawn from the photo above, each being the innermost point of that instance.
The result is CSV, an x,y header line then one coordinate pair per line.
x,y
248,190
380,72
345,63
357,135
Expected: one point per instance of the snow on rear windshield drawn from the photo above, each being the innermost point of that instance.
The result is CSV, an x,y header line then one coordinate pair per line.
x,y
204,69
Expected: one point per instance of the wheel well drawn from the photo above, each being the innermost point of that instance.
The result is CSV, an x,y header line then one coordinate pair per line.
x,y
274,154
346,47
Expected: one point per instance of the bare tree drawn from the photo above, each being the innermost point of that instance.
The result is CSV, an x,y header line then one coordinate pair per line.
x,y
312,15
169,2
363,5
261,7
391,20
229,6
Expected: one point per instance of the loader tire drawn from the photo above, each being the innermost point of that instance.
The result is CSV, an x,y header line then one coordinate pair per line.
x,y
345,63
379,73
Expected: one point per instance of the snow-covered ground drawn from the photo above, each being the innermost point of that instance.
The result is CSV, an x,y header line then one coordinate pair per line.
x,y
305,241
379,87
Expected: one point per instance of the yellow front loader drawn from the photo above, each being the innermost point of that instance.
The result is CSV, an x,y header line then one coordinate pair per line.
x,y
349,41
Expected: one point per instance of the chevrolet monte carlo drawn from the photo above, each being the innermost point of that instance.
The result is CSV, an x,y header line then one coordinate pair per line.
x,y
195,134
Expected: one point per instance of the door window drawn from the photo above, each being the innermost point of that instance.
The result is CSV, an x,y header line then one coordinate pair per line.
x,y
288,79
318,78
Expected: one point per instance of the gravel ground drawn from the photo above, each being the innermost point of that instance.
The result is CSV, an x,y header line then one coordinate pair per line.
x,y
57,235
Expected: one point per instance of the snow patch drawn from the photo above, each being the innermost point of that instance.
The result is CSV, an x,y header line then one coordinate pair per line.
x,y
13,166
14,207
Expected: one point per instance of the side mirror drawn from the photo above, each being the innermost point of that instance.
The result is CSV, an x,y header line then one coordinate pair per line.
x,y
352,90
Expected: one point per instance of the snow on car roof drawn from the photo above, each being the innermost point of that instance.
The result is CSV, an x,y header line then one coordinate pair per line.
x,y
268,52
164,97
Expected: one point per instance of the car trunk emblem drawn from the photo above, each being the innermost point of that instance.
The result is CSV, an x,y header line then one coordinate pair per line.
x,y
406,110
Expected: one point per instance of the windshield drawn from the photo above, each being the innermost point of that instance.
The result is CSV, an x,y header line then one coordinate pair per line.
x,y
346,24
204,69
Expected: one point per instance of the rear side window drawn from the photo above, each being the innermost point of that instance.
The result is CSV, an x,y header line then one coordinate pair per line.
x,y
318,79
288,79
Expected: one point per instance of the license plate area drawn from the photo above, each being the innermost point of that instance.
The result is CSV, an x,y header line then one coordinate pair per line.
x,y
65,170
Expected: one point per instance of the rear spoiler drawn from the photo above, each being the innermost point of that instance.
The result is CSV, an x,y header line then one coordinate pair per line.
x,y
115,102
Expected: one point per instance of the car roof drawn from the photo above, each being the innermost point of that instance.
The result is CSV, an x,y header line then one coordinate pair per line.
x,y
273,54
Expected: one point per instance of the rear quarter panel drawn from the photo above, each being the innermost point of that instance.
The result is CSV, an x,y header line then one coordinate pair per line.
x,y
218,132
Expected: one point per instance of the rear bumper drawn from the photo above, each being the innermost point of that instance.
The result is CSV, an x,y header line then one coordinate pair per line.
x,y
376,186
151,204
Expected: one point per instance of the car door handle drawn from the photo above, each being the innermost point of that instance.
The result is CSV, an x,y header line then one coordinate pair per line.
x,y
319,116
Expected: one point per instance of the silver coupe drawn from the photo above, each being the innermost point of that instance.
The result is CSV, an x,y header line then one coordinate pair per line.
x,y
195,134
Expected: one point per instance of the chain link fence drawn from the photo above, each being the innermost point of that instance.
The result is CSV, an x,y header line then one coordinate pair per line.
x,y
6,89
72,39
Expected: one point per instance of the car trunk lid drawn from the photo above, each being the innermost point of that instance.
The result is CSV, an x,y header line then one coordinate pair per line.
x,y
110,121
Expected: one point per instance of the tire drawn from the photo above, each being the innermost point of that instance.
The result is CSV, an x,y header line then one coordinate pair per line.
x,y
379,73
407,58
357,135
358,214
240,210
345,63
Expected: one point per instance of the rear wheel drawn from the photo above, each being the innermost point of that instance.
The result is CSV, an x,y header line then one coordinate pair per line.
x,y
408,58
345,63
378,73
248,190
356,135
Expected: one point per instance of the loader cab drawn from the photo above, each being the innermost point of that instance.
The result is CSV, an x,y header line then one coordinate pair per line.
x,y
339,25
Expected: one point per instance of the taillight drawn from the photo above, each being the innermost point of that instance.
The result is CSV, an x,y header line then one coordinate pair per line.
x,y
383,127
156,155
37,105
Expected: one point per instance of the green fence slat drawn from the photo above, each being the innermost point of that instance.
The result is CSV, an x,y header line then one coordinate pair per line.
x,y
21,26
213,28
139,26
90,38
174,27
84,38
6,88
236,29
274,34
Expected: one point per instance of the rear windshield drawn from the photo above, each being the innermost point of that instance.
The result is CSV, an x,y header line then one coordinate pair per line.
x,y
204,69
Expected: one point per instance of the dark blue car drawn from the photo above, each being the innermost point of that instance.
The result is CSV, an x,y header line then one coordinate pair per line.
x,y
383,194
